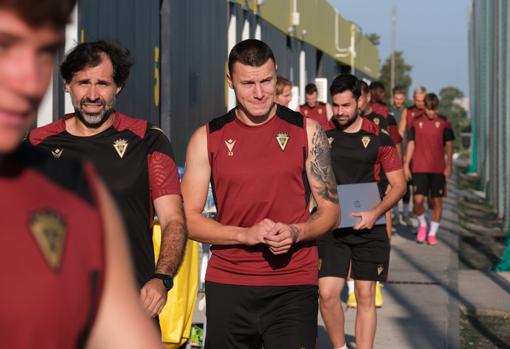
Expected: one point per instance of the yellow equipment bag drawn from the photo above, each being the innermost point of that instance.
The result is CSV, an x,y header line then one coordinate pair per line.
x,y
176,317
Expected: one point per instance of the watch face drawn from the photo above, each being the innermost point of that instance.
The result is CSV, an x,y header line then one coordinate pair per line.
x,y
168,282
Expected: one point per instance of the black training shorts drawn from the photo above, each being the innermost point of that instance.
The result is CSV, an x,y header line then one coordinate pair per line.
x,y
369,252
252,317
429,183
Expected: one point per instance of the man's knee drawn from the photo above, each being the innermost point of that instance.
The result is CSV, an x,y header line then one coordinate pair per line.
x,y
329,291
365,295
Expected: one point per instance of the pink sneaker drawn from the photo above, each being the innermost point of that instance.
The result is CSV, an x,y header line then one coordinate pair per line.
x,y
422,234
432,240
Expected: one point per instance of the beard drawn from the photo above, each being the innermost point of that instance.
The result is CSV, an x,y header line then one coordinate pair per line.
x,y
342,125
94,120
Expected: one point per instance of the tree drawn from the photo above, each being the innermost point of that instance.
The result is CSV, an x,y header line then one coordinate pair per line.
x,y
450,107
374,38
402,73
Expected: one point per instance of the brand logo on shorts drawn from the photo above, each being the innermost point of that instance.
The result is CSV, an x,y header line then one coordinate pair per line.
x,y
283,139
49,231
230,146
319,264
440,191
377,121
120,146
415,188
57,152
380,269
366,141
437,124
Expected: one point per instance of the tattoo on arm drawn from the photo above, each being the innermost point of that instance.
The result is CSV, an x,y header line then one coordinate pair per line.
x,y
321,166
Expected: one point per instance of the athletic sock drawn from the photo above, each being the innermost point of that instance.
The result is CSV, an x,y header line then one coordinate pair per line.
x,y
350,286
421,219
434,226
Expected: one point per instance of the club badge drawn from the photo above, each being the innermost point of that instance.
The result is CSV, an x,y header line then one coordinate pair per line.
x,y
230,146
57,152
437,124
319,111
377,121
283,139
49,231
306,112
380,269
366,141
330,140
120,146
420,124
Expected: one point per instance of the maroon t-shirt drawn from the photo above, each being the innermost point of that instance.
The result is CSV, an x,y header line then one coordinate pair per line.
x,y
412,112
430,137
259,172
52,252
318,113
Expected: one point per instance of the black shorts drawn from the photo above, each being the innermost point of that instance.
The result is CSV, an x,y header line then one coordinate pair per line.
x,y
433,184
273,317
368,251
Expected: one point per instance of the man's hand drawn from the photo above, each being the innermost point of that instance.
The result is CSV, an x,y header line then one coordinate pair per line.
x,y
448,171
281,238
153,297
407,173
256,233
368,219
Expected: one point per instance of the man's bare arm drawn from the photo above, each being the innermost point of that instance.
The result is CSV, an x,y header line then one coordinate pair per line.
x,y
322,183
402,125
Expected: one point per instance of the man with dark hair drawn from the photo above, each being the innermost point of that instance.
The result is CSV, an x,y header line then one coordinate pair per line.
x,y
318,111
67,281
134,158
263,160
408,114
430,139
359,151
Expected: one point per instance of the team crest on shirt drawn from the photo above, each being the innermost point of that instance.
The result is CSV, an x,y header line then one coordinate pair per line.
x,y
319,111
437,124
120,146
49,231
330,140
306,112
380,269
377,121
230,146
366,141
57,152
283,138
420,124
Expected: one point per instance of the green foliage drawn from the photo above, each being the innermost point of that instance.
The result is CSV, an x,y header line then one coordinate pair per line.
x,y
402,73
449,106
374,38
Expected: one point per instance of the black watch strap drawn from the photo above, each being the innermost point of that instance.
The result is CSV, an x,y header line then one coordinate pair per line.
x,y
167,280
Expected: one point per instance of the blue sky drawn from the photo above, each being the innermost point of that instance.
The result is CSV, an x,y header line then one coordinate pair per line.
x,y
431,33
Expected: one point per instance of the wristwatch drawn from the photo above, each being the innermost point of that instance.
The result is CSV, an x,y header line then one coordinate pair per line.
x,y
168,281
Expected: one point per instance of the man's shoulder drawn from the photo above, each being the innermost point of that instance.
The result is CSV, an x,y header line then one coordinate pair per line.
x,y
38,135
290,116
219,122
137,126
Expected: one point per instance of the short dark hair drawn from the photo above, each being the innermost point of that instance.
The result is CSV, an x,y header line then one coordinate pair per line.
x,y
364,88
281,82
431,101
41,12
375,85
250,52
346,82
310,88
88,54
399,90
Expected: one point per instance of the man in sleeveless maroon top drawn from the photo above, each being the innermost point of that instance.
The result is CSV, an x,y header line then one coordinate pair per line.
x,y
263,161
65,269
318,111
